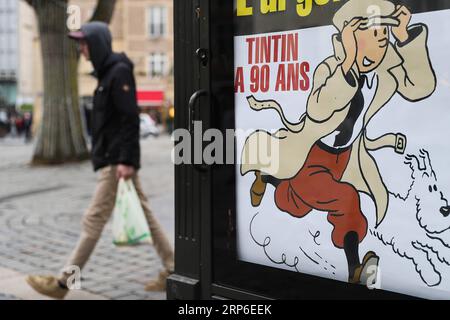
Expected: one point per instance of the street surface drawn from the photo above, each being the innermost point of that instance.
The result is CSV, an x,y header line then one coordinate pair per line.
x,y
40,216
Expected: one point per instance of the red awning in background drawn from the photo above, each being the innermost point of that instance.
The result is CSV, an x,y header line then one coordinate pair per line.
x,y
150,98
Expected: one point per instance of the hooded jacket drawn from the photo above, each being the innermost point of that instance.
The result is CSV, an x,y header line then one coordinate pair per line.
x,y
115,117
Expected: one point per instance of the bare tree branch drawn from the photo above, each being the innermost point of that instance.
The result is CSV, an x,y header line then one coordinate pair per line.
x,y
104,11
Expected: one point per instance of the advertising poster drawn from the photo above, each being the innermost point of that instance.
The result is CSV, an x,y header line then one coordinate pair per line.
x,y
343,119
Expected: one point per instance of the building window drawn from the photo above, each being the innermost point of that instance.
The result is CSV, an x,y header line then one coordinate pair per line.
x,y
157,21
158,65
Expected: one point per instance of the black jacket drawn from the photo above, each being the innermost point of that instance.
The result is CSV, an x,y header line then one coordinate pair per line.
x,y
115,116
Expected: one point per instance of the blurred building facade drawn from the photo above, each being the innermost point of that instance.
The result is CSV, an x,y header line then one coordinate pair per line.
x,y
19,72
143,29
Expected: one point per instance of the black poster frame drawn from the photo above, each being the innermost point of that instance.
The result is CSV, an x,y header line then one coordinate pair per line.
x,y
230,277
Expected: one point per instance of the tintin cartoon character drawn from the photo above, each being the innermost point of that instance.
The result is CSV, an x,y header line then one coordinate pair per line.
x,y
324,161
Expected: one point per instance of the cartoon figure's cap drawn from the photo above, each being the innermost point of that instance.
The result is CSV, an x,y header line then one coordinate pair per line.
x,y
378,12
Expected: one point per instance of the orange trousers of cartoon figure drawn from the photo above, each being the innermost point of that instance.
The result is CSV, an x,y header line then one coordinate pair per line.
x,y
317,186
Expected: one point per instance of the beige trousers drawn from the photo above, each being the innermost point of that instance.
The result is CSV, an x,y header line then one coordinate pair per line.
x,y
98,214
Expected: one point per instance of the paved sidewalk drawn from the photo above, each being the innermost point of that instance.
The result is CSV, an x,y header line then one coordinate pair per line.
x,y
40,214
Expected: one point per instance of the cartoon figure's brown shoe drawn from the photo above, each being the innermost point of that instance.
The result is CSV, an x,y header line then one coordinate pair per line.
x,y
257,190
366,273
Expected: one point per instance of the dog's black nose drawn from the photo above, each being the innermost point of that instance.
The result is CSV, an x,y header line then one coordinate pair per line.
x,y
445,211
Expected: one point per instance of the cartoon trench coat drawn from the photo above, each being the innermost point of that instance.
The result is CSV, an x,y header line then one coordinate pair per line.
x,y
405,69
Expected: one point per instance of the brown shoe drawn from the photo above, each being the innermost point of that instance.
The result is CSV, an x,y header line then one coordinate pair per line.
x,y
257,190
158,284
48,286
361,275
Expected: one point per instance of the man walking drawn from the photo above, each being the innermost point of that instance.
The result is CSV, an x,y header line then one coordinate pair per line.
x,y
115,154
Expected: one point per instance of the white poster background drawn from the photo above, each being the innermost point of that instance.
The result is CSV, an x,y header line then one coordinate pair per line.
x,y
426,125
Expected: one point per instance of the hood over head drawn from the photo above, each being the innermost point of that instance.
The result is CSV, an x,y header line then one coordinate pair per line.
x,y
99,40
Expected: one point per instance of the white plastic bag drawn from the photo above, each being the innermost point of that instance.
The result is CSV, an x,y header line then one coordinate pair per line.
x,y
129,224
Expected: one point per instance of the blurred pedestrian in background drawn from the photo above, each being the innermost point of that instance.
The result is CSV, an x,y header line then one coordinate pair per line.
x,y
115,154
27,125
13,131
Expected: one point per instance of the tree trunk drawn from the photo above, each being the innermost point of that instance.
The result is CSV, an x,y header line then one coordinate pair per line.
x,y
60,137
